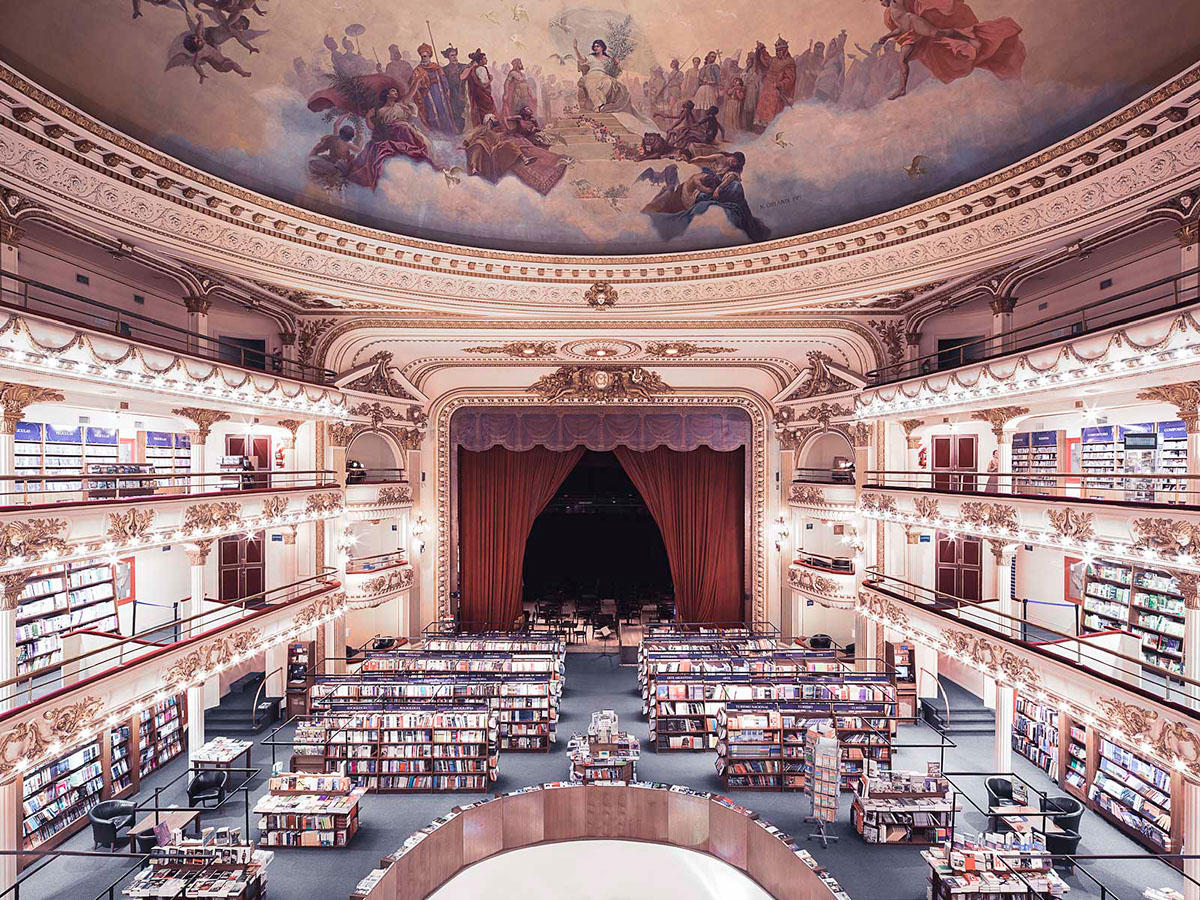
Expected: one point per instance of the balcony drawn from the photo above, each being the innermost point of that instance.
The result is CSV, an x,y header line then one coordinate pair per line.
x,y
377,494
39,534
1134,337
828,579
64,335
372,580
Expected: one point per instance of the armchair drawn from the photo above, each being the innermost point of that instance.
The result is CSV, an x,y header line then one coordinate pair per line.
x,y
208,785
108,818
1065,844
999,791
1067,811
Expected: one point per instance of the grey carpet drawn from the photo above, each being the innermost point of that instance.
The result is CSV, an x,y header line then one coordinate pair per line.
x,y
868,872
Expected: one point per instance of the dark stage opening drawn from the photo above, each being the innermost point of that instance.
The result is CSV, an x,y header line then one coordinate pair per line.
x,y
596,537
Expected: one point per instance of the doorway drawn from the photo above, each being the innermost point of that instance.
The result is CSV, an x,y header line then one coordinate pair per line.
x,y
257,448
954,454
959,567
241,569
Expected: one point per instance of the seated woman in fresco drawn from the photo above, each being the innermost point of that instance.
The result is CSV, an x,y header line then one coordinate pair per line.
x,y
493,152
394,132
599,82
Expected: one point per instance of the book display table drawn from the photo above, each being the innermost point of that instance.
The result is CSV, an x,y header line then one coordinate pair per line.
x,y
223,872
903,808
309,811
987,869
604,753
221,753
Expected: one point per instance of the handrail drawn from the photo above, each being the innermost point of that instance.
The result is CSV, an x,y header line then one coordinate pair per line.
x,y
1010,341
949,604
258,693
213,618
1177,488
838,565
823,476
169,337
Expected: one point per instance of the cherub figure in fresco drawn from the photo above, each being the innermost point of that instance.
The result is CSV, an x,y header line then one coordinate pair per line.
x,y
948,38
194,48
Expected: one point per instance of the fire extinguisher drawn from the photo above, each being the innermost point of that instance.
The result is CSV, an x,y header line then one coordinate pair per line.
x,y
279,457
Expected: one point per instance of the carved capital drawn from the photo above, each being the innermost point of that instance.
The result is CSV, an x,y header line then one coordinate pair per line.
x,y
1188,234
198,305
1002,305
15,398
340,434
912,338
292,425
860,435
13,584
11,233
287,338
1184,396
197,552
909,426
204,419
998,417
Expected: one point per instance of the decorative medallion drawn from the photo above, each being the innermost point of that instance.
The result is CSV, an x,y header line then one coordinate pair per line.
x,y
30,538
379,380
600,295
679,349
324,502
825,413
1071,523
1168,536
884,503
926,507
988,515
599,384
210,516
518,349
600,348
134,523
376,412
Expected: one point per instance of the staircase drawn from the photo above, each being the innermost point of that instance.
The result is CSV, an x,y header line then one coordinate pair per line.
x,y
966,715
233,717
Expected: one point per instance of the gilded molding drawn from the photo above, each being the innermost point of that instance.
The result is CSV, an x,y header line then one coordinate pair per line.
x,y
988,515
892,614
860,435
203,419
682,349
198,551
517,349
397,579
802,579
124,527
324,606
394,495
379,379
63,725
926,507
1172,741
13,586
292,426
883,503
991,655
29,539
601,295
15,398
274,507
599,384
825,413
807,494
324,502
210,516
208,656
1184,396
909,426
1071,523
998,417
341,433
1168,536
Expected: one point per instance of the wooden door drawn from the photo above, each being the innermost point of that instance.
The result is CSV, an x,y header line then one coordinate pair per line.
x,y
258,449
959,566
242,571
955,460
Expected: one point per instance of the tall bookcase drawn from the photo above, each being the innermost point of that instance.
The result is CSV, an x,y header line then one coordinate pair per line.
x,y
1036,734
1138,598
1036,456
170,453
162,733
58,599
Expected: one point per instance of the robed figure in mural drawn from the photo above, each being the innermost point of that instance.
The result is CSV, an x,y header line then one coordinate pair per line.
x,y
494,151
478,79
453,70
948,38
718,183
599,73
777,81
431,92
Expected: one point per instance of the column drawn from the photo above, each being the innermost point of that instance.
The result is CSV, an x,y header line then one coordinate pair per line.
x,y
1005,705
276,659
338,437
10,814
1191,837
1188,236
1003,340
335,644
12,586
198,336
926,661
912,454
10,239
1004,555
290,462
198,554
287,344
14,400
1189,584
912,352
203,419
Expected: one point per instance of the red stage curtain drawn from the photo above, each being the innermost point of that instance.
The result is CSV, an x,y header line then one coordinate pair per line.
x,y
500,493
697,499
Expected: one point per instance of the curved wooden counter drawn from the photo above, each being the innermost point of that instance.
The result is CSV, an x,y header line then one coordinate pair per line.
x,y
546,814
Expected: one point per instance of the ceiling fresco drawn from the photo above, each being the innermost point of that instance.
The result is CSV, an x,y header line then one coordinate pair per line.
x,y
621,126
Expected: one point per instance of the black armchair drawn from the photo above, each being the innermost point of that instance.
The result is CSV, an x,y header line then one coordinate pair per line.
x,y
1064,844
208,785
999,791
108,819
144,841
1067,812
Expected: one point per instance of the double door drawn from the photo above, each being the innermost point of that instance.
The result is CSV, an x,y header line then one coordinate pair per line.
x,y
955,461
959,566
242,572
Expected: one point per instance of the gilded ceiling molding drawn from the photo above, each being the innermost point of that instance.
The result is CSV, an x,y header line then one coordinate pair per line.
x,y
601,295
518,349
821,379
16,398
124,528
682,349
379,380
211,516
599,384
1184,396
998,417
757,454
203,419
1072,523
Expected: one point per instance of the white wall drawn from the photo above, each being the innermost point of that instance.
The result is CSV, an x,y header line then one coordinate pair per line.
x,y
373,451
161,577
1041,574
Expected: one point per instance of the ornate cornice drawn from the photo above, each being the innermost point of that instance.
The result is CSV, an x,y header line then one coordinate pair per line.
x,y
1184,396
821,379
379,380
203,419
16,398
683,349
517,349
198,305
998,417
599,384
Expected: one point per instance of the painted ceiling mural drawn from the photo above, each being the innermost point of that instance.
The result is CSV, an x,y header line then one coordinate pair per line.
x,y
614,127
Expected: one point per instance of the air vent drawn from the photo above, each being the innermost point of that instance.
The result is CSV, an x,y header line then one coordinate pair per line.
x,y
1106,284
1042,306
139,299
82,279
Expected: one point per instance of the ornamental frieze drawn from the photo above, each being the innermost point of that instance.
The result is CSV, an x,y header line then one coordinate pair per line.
x,y
394,580
926,507
600,384
807,494
988,515
882,503
134,523
30,538
1071,523
394,495
322,607
324,502
211,654
61,725
991,655
1170,537
210,516
1170,740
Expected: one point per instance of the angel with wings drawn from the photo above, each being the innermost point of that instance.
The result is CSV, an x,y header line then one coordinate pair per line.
x,y
201,46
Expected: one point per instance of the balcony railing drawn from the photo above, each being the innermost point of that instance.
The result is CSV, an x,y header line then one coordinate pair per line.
x,y
1141,488
837,565
1103,662
1120,309
366,565
374,476
47,301
823,476
51,490
121,652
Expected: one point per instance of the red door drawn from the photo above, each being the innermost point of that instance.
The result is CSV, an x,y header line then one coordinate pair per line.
x,y
959,567
241,568
954,454
257,448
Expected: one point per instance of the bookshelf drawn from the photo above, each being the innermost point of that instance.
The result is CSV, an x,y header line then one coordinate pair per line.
x,y
301,657
170,453
903,808
901,662
161,733
448,662
59,599
1075,761
58,795
304,810
1135,795
1141,599
99,488
120,760
406,750
1035,734
1036,457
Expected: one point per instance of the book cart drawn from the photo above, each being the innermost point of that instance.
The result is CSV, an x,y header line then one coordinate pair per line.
x,y
403,749
761,742
302,810
56,796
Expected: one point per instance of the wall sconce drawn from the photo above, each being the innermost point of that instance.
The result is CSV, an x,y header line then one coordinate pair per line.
x,y
781,532
418,529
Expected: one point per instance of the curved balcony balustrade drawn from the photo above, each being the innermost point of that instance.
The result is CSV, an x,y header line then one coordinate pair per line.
x,y
372,580
1169,489
829,579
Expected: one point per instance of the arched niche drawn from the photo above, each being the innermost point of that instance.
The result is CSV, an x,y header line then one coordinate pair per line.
x,y
375,451
820,451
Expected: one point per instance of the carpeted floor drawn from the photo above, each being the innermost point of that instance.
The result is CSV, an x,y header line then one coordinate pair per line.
x,y
868,872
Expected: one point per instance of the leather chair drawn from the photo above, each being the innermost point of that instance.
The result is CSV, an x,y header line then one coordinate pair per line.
x,y
208,785
999,791
1066,843
1067,811
108,819
144,841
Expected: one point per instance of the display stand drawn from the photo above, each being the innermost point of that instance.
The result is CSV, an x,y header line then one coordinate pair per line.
x,y
903,808
210,867
303,810
299,677
604,753
822,757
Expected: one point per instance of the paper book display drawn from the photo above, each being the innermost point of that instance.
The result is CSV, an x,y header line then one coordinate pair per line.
x,y
988,866
903,808
303,810
822,777
216,865
604,753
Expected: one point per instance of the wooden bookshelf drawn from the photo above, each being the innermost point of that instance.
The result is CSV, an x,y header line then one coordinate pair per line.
x,y
300,676
58,599
1136,795
162,733
1036,734
430,749
1141,599
900,662
903,808
303,810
